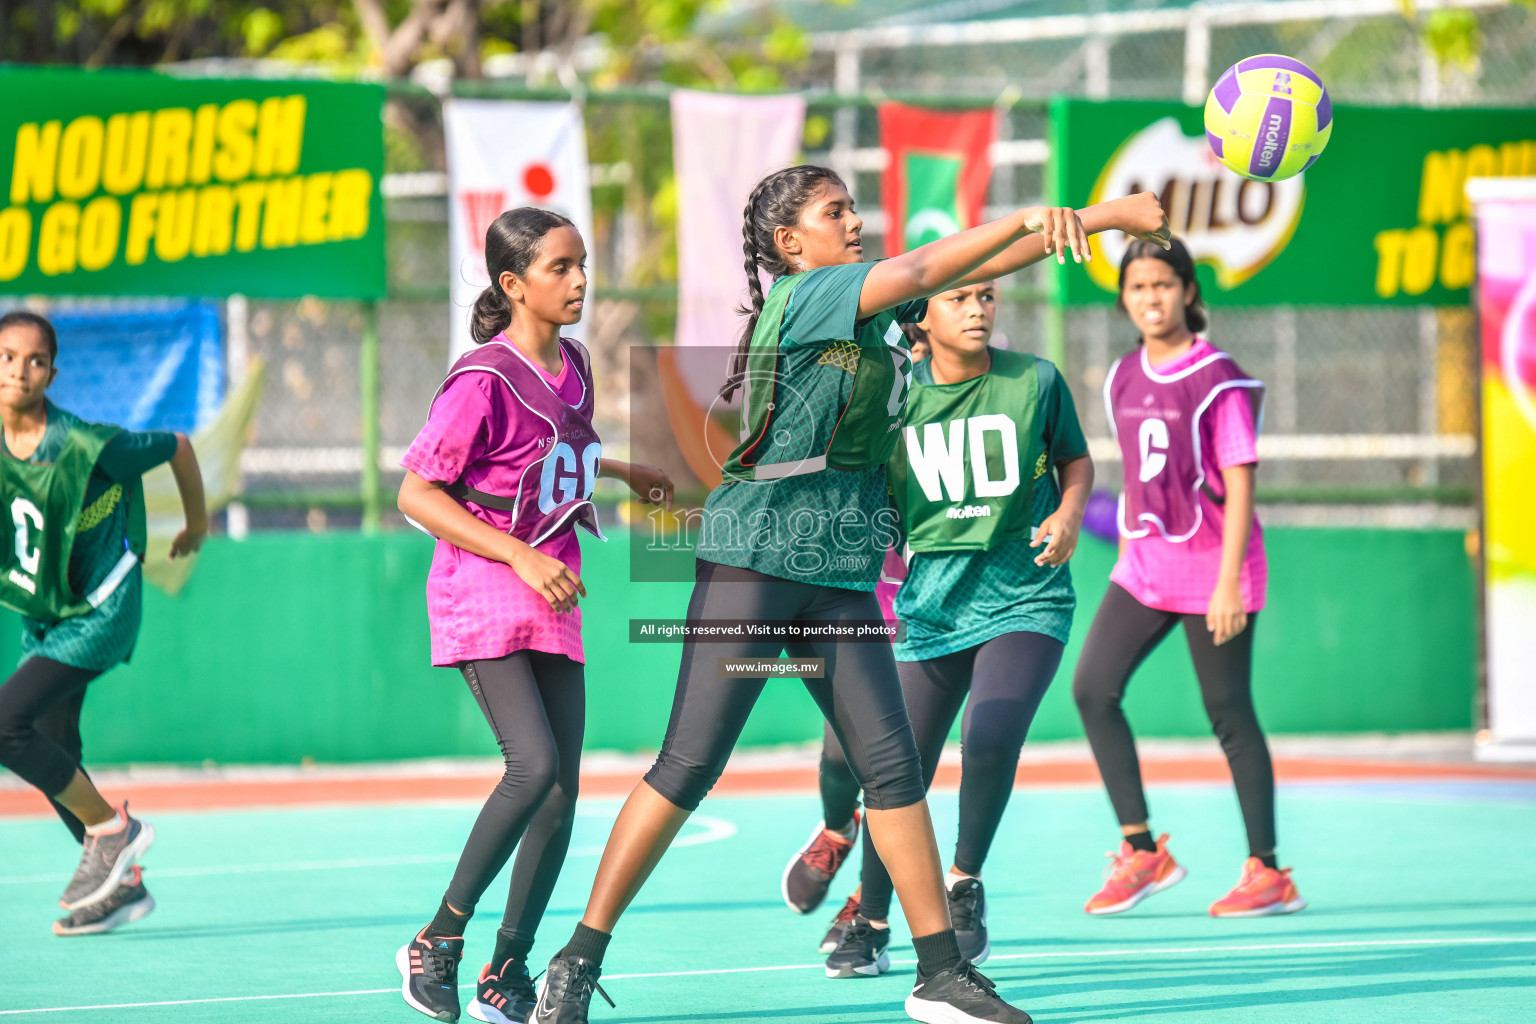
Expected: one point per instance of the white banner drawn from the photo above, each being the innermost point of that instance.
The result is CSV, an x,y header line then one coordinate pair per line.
x,y
502,155
721,146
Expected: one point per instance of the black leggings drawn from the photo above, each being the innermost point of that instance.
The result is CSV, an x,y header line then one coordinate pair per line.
x,y
860,694
1006,678
536,705
1124,632
40,727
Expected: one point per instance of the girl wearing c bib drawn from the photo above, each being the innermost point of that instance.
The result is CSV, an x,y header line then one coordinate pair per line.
x,y
72,493
1191,554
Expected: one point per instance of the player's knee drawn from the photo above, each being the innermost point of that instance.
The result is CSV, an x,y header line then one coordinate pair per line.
x,y
1092,701
684,785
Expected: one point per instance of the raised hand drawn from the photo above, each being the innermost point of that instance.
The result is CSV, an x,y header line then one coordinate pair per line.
x,y
1142,216
1061,229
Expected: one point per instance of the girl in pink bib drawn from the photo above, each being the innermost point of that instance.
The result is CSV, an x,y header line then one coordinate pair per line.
x,y
1192,554
502,474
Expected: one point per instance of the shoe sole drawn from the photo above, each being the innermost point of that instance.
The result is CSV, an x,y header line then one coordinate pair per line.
x,y
119,917
880,966
403,962
125,860
491,1015
1177,875
1272,910
930,1012
784,878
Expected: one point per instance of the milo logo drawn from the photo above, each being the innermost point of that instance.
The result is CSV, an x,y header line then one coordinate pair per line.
x,y
1234,224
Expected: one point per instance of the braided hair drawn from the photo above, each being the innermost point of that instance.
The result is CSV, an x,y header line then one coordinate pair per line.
x,y
512,242
776,201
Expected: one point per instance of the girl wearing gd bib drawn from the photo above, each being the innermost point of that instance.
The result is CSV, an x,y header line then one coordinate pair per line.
x,y
1191,553
502,474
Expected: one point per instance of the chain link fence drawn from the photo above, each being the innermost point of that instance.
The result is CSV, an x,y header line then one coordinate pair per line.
x,y
1367,408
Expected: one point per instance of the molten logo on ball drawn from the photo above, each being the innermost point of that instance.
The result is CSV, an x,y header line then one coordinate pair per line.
x,y
1269,117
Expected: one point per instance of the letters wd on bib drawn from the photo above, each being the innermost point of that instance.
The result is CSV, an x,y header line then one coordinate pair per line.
x,y
1506,224
502,155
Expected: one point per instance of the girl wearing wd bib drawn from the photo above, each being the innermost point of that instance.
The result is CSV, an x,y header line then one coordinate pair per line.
x,y
502,474
1191,553
988,598
798,531
72,494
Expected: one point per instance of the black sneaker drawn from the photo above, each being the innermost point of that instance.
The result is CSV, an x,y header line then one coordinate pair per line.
x,y
862,952
810,871
840,924
506,997
960,995
968,913
126,904
565,994
105,860
429,968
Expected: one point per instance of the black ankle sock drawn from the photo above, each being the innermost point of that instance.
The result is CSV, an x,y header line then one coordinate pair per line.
x,y
937,952
587,943
509,947
1142,841
1268,860
448,923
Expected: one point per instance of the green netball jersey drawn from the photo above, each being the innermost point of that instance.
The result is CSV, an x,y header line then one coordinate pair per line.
x,y
804,495
103,637
956,599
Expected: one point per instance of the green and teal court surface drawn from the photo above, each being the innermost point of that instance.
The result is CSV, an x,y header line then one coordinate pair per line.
x,y
1423,909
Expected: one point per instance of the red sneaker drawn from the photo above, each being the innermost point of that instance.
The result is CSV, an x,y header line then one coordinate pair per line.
x,y
811,870
1260,892
840,923
1135,875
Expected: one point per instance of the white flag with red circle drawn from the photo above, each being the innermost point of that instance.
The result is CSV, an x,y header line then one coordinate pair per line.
x,y
502,155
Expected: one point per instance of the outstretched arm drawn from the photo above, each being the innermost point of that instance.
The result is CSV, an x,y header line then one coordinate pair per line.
x,y
1139,215
929,269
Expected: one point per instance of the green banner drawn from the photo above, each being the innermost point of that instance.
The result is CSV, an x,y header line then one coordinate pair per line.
x,y
1381,217
136,183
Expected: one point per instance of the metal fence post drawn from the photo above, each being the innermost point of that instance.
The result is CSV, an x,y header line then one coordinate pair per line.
x,y
368,381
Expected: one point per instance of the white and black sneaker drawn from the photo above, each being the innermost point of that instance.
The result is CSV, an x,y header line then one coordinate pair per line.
x,y
960,995
968,913
840,923
565,992
429,972
124,905
506,997
862,953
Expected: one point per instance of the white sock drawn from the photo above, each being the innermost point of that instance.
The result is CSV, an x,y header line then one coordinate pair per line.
x,y
846,831
952,877
111,825
880,926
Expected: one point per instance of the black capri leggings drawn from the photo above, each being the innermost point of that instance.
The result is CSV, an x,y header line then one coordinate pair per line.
x,y
860,694
1006,678
40,727
1124,632
536,705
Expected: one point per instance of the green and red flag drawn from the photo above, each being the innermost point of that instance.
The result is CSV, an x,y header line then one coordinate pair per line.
x,y
935,182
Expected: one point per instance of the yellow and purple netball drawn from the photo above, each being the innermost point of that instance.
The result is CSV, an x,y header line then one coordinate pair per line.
x,y
1268,117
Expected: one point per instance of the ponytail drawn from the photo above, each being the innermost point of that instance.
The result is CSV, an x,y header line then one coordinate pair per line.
x,y
776,201
512,243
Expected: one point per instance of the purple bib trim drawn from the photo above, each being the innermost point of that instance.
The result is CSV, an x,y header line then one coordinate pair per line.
x,y
1156,418
557,473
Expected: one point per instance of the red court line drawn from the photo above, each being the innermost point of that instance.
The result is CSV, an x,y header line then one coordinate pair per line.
x,y
220,793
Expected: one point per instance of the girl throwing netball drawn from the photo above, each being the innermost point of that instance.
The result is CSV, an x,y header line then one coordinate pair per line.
x,y
798,532
988,597
72,492
1191,553
502,474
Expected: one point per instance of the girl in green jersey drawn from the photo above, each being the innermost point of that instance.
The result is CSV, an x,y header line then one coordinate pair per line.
x,y
71,491
987,604
797,533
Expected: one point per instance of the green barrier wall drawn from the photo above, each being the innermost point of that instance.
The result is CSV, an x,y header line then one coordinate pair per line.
x,y
287,646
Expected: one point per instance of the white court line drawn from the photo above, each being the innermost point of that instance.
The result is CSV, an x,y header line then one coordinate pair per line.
x,y
1069,955
714,830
